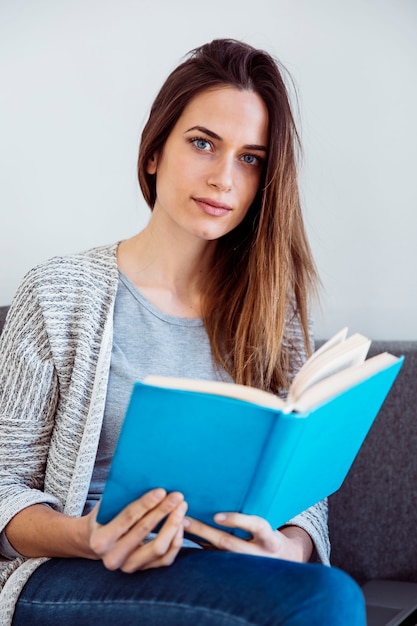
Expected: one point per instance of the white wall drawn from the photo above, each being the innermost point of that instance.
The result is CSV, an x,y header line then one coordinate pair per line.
x,y
77,78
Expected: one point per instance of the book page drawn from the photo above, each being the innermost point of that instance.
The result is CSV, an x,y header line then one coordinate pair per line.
x,y
330,343
349,353
337,339
342,380
219,388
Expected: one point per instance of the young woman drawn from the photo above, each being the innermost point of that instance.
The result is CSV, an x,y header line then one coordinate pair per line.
x,y
216,286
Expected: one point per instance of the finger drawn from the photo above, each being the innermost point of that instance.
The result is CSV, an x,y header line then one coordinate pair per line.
x,y
170,555
223,540
262,533
257,526
131,513
128,544
218,538
162,549
169,531
127,552
135,522
146,523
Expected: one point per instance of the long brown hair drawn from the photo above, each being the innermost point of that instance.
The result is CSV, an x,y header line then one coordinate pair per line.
x,y
263,272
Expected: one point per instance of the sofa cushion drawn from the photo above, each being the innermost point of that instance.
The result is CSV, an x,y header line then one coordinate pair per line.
x,y
3,313
373,516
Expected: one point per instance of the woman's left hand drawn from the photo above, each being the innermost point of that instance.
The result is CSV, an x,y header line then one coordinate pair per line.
x,y
290,543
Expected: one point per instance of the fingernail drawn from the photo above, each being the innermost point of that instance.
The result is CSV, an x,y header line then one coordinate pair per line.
x,y
220,517
186,522
176,497
159,493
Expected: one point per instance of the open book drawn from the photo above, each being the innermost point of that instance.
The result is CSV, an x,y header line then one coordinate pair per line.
x,y
228,447
337,365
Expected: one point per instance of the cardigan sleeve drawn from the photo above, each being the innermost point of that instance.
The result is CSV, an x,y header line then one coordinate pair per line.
x,y
314,519
28,397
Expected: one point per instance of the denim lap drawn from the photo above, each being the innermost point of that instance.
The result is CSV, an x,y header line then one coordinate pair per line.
x,y
202,588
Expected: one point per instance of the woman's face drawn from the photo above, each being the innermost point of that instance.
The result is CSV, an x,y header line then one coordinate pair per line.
x,y
209,170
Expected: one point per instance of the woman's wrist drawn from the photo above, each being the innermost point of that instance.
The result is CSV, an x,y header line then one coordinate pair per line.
x,y
300,541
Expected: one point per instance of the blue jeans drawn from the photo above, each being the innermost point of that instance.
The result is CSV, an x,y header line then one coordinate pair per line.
x,y
202,588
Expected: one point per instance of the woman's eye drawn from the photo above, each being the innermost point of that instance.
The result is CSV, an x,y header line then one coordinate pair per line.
x,y
201,144
251,159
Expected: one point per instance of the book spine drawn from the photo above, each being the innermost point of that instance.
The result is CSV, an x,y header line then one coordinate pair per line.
x,y
263,490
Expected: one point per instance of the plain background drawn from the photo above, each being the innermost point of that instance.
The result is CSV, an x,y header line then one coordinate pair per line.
x,y
77,78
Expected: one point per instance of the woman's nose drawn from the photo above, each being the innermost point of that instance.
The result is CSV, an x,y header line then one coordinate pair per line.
x,y
221,174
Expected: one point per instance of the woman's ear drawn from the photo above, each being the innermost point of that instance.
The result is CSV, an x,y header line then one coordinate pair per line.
x,y
152,164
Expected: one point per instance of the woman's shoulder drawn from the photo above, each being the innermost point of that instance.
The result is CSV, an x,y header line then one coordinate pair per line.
x,y
77,268
73,280
80,287
100,257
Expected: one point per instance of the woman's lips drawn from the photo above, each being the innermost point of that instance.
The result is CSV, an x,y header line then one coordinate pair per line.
x,y
212,207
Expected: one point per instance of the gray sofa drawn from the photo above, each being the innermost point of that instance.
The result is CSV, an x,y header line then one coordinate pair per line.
x,y
373,516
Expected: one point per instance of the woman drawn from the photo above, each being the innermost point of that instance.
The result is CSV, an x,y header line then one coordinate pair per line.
x,y
215,286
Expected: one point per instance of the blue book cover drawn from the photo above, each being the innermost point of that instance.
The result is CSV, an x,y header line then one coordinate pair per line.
x,y
227,454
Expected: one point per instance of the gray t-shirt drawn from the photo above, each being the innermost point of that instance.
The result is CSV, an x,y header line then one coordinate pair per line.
x,y
145,341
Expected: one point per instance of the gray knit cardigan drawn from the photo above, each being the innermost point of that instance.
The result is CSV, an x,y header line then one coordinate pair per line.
x,y
55,353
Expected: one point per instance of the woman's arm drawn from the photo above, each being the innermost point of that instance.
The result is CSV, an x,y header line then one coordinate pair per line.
x,y
28,396
122,544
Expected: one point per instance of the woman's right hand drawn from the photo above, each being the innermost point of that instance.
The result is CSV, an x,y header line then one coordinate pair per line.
x,y
123,544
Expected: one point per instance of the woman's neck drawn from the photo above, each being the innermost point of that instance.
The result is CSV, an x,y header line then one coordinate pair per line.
x,y
167,270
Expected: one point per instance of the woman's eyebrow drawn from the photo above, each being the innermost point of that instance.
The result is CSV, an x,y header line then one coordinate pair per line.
x,y
213,135
206,131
